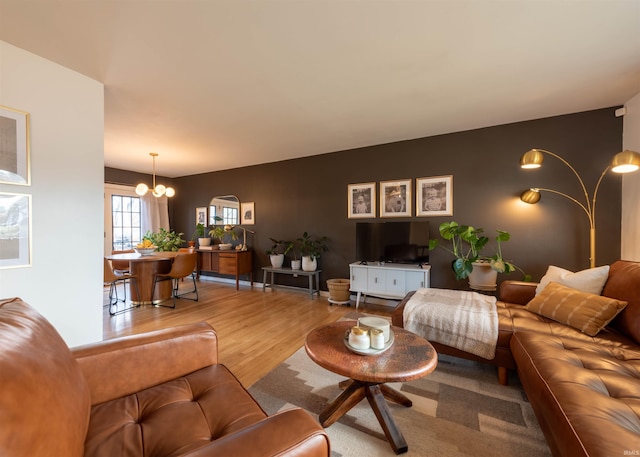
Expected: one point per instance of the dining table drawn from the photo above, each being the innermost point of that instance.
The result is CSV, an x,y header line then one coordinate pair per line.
x,y
144,267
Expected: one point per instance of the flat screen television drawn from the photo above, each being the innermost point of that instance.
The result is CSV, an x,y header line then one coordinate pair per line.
x,y
394,242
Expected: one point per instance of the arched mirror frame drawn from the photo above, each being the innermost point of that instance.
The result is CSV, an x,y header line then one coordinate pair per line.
x,y
225,207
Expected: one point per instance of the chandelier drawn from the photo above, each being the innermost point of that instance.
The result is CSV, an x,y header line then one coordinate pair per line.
x,y
157,190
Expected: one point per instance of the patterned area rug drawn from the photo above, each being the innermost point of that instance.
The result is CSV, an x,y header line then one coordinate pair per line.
x,y
459,409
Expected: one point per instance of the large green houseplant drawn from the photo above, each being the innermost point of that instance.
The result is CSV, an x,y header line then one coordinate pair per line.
x,y
467,243
165,240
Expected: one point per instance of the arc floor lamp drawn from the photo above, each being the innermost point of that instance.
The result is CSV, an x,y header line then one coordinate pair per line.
x,y
623,162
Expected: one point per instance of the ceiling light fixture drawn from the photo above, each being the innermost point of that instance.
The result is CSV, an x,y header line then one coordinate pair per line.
x,y
623,162
157,190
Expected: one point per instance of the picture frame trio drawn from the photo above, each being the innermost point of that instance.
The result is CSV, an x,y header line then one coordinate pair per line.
x,y
434,197
15,170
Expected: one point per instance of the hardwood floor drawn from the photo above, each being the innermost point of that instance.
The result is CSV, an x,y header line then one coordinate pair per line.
x,y
256,330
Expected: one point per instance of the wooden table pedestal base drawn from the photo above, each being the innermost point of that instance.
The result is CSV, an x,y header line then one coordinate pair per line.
x,y
376,394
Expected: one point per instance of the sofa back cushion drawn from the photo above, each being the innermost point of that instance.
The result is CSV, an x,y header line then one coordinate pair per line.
x,y
44,398
590,281
624,284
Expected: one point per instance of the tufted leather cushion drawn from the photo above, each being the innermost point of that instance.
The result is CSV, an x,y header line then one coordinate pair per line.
x,y
172,418
43,394
624,284
586,395
588,313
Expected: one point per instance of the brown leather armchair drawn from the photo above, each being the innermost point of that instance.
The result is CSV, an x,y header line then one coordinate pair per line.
x,y
158,394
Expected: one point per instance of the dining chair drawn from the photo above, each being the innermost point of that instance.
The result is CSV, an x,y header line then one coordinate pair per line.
x,y
189,249
121,266
183,266
112,277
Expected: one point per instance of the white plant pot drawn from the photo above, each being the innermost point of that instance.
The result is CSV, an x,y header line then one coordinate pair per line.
x,y
204,241
483,277
309,264
296,264
276,260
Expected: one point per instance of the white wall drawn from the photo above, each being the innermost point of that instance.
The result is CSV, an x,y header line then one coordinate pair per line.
x,y
67,158
630,248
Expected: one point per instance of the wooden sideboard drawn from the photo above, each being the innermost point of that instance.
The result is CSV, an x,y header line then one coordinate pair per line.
x,y
230,262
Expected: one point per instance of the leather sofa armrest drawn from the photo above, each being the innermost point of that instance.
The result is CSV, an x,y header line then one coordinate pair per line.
x,y
122,366
518,292
397,314
289,433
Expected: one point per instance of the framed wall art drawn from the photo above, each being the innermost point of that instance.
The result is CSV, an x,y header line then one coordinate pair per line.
x,y
14,147
361,200
434,196
15,230
247,213
395,198
201,215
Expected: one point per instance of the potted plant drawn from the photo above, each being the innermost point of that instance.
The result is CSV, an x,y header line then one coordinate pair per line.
x,y
467,243
199,234
310,248
294,247
224,234
277,251
165,240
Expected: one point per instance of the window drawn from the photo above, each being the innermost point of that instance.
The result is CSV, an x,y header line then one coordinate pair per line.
x,y
229,215
125,222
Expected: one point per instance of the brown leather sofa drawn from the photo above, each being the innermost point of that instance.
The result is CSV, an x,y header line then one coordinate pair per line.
x,y
585,391
156,394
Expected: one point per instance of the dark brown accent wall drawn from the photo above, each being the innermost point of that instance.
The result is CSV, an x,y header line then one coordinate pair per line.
x,y
310,194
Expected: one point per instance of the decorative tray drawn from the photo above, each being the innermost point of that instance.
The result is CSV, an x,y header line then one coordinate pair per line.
x,y
369,351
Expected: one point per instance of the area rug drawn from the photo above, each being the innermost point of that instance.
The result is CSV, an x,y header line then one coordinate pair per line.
x,y
458,410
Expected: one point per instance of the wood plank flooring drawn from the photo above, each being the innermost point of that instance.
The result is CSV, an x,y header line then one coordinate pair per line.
x,y
256,330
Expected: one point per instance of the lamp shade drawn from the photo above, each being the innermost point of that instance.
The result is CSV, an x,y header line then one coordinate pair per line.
x,y
159,190
531,196
142,189
532,159
625,162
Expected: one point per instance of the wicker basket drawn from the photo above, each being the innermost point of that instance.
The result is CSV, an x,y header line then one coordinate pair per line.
x,y
339,289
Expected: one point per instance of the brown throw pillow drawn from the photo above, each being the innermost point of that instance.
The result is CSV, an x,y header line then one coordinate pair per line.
x,y
588,313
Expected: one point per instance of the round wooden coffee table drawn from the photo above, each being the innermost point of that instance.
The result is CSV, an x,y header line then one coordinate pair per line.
x,y
409,357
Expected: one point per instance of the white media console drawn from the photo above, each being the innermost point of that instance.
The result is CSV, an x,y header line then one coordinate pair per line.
x,y
387,280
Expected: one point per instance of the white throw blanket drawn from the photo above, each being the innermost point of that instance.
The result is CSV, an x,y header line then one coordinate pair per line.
x,y
464,320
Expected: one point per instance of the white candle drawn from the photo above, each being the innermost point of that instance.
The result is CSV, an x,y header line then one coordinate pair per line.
x,y
377,338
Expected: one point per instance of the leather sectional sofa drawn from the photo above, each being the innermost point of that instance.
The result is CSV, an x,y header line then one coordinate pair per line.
x,y
584,390
157,394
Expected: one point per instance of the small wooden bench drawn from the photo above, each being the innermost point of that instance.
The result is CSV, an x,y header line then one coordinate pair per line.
x,y
295,273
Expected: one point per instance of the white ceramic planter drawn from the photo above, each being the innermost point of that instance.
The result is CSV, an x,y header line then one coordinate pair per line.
x,y
204,241
309,264
276,260
296,264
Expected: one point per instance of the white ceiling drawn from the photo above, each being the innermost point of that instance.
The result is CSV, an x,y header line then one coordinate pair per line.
x,y
212,85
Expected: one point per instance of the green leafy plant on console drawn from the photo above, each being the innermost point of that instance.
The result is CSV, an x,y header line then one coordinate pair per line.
x,y
467,243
